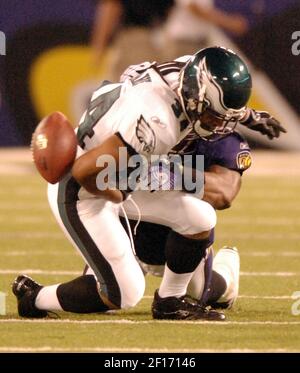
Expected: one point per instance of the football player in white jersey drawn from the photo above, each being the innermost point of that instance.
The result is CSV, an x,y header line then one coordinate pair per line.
x,y
148,115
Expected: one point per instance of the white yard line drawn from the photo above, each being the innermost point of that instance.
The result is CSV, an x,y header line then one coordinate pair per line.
x,y
28,206
268,206
32,253
265,297
59,252
17,169
288,205
39,272
271,274
221,235
260,236
275,297
31,235
269,222
145,322
66,272
29,219
36,218
136,349
270,253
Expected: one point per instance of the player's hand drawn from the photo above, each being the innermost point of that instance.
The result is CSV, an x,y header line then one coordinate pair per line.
x,y
237,24
171,174
164,176
264,123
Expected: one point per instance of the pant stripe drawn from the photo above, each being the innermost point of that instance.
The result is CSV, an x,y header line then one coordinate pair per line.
x,y
67,205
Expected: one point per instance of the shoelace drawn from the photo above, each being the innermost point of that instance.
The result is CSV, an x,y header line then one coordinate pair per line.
x,y
128,224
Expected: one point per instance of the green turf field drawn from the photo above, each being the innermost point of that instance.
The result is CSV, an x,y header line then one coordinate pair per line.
x,y
263,223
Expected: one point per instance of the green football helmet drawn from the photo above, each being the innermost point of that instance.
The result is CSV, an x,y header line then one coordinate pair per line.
x,y
215,86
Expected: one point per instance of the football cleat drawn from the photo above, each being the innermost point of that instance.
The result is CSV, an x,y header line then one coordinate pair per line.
x,y
26,291
183,308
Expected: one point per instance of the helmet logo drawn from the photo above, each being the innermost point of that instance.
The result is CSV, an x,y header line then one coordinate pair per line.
x,y
213,92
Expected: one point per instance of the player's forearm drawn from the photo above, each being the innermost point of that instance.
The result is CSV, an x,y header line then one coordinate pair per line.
x,y
216,200
87,168
213,15
108,17
213,192
221,188
90,184
229,22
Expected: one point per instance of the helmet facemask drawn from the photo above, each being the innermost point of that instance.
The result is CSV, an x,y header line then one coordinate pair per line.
x,y
211,123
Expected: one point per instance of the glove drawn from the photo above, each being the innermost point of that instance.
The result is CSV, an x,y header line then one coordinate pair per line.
x,y
263,122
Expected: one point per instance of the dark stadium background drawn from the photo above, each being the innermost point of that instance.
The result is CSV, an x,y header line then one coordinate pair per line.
x,y
33,26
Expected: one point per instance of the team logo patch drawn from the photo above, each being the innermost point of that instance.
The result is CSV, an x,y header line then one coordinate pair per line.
x,y
243,160
146,135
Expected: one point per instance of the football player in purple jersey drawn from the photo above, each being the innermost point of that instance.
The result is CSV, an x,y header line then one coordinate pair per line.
x,y
200,99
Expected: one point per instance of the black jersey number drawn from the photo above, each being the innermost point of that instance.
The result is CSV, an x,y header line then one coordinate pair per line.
x,y
96,110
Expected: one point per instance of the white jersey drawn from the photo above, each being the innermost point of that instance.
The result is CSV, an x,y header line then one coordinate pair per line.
x,y
145,112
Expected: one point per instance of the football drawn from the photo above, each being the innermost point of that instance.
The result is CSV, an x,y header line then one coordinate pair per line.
x,y
54,146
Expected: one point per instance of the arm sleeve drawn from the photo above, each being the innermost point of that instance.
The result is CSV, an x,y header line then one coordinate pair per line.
x,y
233,152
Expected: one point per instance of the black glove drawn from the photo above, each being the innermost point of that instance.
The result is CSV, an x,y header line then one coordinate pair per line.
x,y
263,122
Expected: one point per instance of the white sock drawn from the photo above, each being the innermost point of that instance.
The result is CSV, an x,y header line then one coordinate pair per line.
x,y
47,299
174,284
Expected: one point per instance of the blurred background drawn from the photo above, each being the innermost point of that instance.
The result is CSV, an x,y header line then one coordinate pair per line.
x,y
58,51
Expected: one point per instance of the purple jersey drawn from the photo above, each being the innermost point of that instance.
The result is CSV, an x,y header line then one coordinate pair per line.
x,y
231,151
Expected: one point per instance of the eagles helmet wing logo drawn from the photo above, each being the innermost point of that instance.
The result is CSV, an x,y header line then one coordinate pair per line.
x,y
146,135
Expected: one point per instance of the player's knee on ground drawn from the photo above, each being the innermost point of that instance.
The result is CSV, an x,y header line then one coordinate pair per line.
x,y
131,293
197,216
